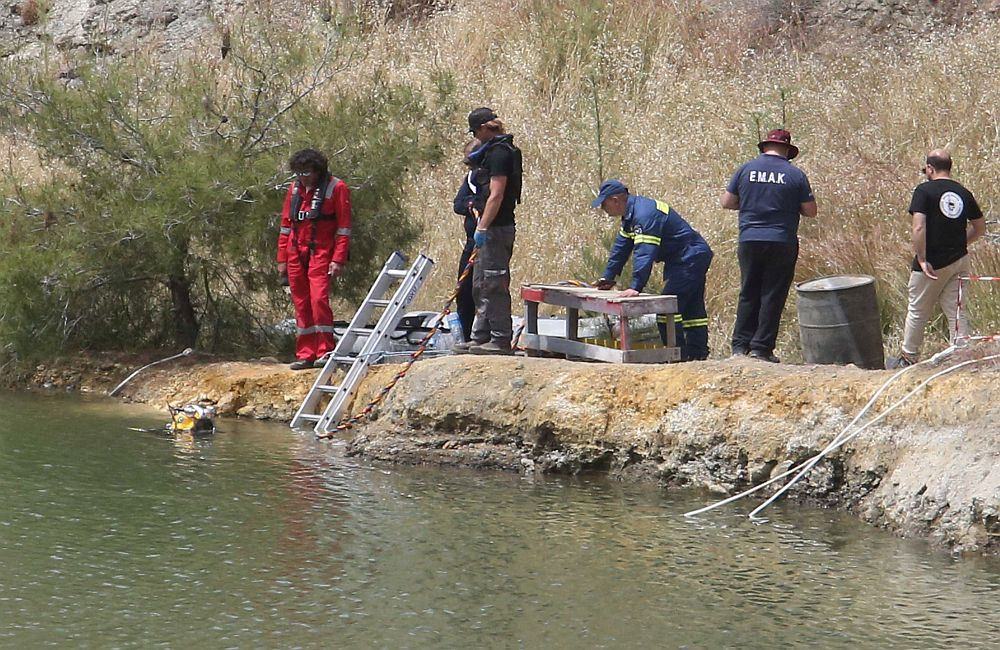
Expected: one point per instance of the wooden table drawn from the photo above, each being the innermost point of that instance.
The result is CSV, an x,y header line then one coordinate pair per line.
x,y
605,302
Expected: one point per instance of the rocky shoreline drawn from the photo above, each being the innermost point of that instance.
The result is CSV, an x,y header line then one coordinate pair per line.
x,y
928,470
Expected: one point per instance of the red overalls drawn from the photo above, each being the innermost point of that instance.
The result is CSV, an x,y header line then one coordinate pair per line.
x,y
308,243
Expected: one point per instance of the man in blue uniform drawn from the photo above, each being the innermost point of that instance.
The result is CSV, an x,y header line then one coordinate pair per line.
x,y
652,231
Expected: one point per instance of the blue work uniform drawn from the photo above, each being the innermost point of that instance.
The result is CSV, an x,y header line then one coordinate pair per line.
x,y
652,231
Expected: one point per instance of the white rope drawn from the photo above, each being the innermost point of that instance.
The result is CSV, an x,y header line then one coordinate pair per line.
x,y
791,470
842,437
794,469
838,443
117,388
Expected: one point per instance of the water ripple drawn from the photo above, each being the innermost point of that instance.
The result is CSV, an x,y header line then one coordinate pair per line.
x,y
259,537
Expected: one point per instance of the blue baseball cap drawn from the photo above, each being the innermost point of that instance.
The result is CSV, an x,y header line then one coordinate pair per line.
x,y
608,188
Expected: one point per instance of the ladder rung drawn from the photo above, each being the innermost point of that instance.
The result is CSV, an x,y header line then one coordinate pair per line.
x,y
338,359
409,281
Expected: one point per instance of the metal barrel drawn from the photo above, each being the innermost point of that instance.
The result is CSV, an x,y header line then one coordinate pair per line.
x,y
839,321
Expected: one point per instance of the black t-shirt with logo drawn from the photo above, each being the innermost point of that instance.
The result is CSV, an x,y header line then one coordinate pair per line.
x,y
948,207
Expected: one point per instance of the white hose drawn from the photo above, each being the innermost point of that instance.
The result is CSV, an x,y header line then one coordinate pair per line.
x,y
117,388
836,440
809,464
791,470
840,442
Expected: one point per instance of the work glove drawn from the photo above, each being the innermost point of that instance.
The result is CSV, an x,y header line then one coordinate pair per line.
x,y
604,284
481,237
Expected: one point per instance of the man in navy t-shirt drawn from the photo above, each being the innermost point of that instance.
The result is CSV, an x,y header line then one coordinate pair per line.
x,y
945,220
770,194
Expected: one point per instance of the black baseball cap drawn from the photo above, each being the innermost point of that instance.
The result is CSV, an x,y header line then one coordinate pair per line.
x,y
479,117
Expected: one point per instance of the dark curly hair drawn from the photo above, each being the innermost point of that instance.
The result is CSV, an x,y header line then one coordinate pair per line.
x,y
308,160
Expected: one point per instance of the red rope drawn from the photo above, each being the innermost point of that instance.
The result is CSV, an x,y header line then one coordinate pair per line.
x,y
962,279
416,354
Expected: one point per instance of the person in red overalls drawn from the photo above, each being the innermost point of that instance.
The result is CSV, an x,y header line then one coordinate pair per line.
x,y
313,245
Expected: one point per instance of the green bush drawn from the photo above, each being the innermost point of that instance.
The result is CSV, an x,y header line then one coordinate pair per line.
x,y
154,222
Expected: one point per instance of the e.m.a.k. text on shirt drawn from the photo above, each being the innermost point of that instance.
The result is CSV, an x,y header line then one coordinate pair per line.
x,y
771,192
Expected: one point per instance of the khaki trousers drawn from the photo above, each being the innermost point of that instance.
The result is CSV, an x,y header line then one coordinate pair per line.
x,y
924,293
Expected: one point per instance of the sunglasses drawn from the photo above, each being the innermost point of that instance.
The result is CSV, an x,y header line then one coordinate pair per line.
x,y
303,174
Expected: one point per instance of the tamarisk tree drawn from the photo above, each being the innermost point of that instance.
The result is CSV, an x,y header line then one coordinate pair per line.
x,y
151,219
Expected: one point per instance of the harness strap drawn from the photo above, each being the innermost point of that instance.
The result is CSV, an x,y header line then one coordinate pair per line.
x,y
322,192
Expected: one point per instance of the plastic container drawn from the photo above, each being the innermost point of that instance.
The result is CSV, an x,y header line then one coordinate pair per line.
x,y
455,327
839,321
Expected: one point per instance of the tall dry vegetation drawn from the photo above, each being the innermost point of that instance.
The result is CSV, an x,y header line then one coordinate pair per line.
x,y
30,12
670,96
682,89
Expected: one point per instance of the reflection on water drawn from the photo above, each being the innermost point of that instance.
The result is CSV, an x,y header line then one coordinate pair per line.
x,y
259,537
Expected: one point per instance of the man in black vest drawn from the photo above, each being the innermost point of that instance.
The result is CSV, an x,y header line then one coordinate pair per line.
x,y
494,237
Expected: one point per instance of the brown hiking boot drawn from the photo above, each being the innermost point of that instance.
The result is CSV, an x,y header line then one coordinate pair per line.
x,y
898,363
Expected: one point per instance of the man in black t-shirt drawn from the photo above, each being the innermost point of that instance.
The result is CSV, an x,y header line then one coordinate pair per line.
x,y
492,330
946,219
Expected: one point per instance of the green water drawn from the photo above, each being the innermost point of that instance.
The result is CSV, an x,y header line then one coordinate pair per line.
x,y
258,537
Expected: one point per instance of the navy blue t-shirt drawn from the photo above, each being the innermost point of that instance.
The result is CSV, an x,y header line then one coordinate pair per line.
x,y
771,191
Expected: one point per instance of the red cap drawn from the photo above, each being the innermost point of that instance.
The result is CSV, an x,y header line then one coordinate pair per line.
x,y
780,136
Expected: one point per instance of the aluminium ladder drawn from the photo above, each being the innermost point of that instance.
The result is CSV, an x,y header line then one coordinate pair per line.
x,y
374,344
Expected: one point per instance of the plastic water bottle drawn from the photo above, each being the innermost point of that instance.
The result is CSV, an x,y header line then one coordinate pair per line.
x,y
455,326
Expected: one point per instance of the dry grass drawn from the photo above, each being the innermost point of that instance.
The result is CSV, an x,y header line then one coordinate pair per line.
x,y
17,160
30,12
683,87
